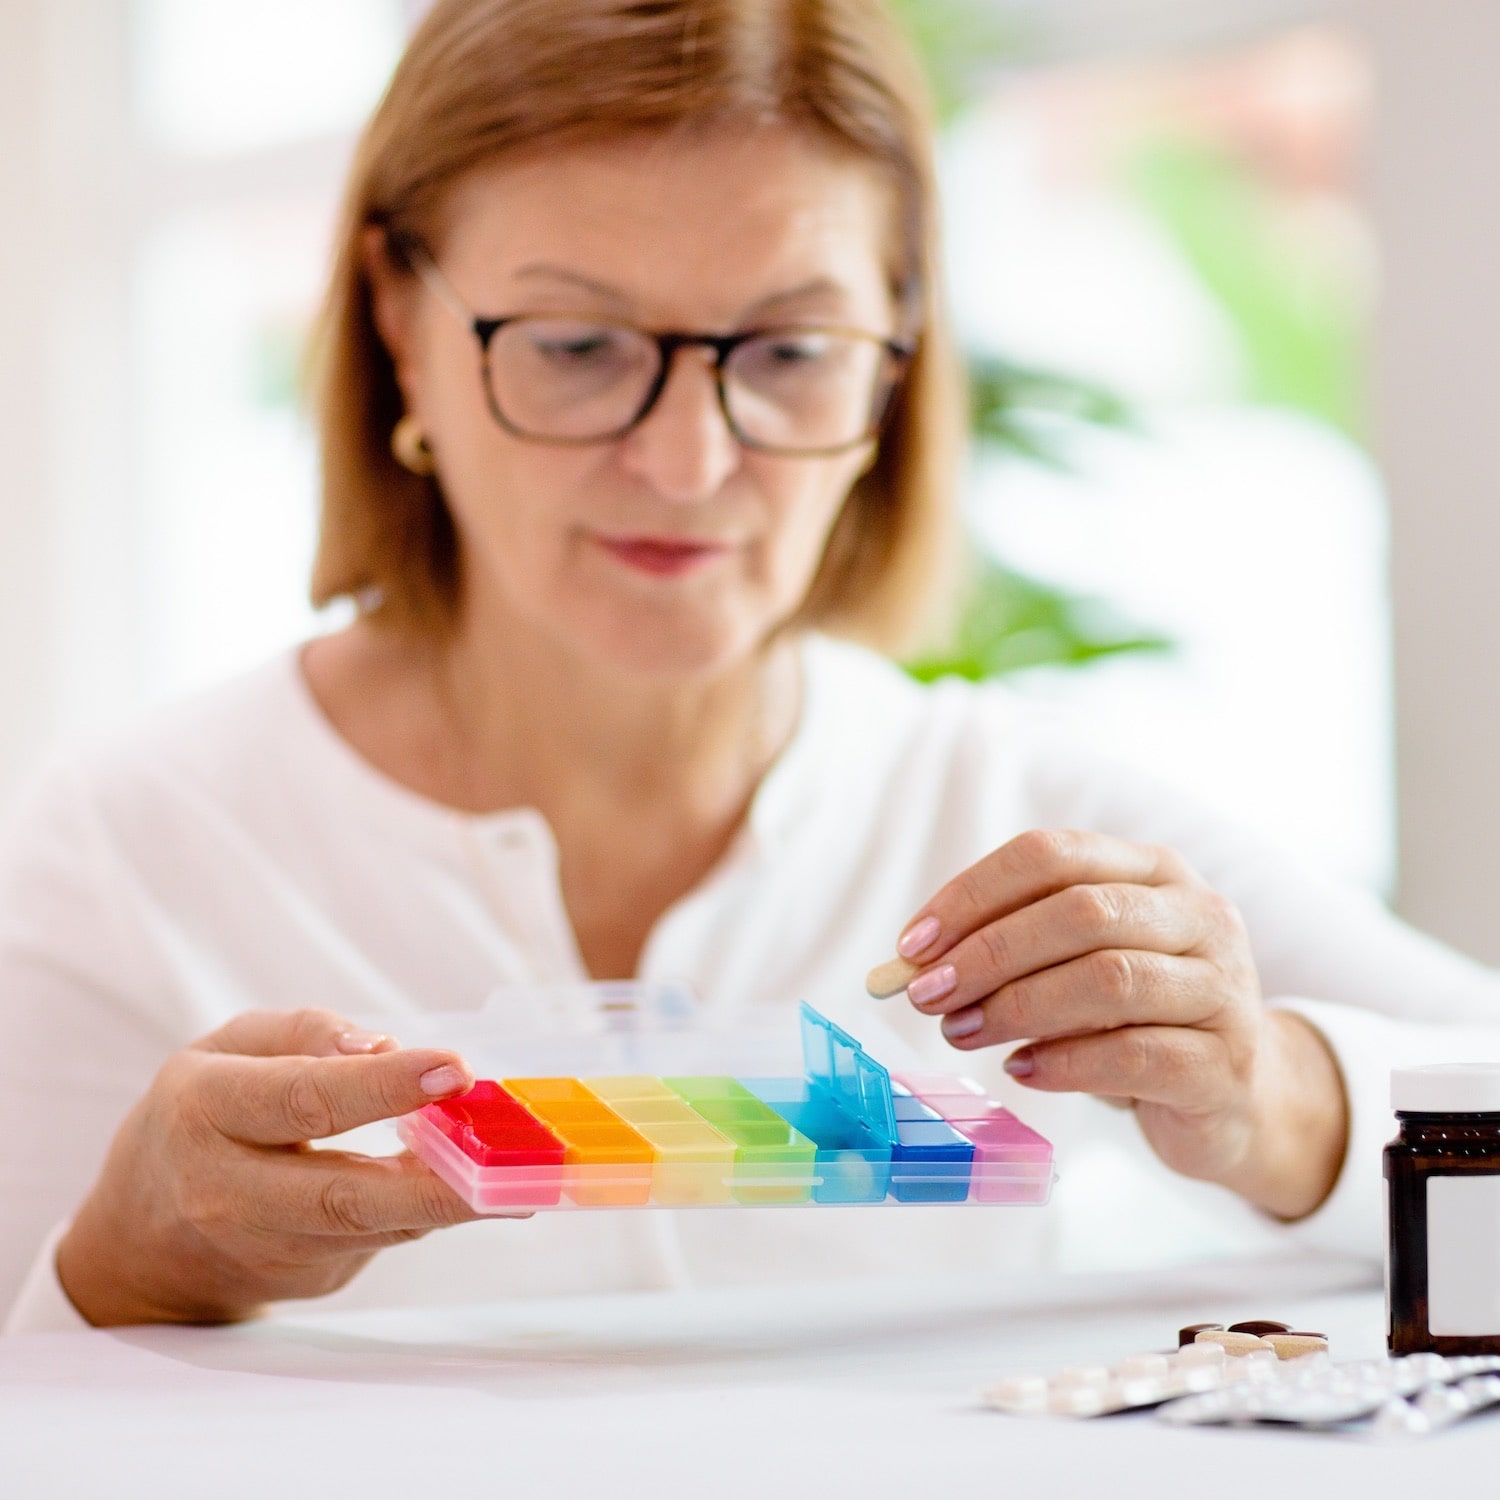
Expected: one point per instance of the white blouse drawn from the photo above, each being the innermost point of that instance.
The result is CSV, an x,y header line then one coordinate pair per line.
x,y
237,853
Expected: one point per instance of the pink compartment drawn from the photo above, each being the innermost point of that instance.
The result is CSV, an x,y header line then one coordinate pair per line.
x,y
922,1084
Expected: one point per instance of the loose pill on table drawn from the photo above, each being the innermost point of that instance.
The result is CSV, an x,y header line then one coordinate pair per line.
x,y
1260,1327
1234,1344
1201,1354
1189,1335
890,978
1296,1345
1021,1393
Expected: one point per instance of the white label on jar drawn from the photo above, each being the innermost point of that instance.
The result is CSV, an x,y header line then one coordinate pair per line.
x,y
1463,1256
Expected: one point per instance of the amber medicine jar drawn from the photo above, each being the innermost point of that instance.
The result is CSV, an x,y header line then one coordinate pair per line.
x,y
1442,1177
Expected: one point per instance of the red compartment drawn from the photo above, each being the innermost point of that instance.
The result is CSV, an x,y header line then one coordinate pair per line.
x,y
492,1129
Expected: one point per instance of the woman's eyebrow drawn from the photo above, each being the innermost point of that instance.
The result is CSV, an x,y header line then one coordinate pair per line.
x,y
818,286
545,270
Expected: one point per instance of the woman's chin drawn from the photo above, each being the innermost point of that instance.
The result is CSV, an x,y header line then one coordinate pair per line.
x,y
662,650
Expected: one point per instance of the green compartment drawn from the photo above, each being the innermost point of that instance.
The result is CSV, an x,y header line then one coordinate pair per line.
x,y
772,1162
723,1112
695,1089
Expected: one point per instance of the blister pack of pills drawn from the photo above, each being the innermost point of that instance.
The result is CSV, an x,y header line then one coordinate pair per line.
x,y
1409,1396
1205,1384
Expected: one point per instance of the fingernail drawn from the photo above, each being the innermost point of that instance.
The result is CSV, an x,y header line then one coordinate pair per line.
x,y
436,1082
1019,1065
358,1040
926,988
918,938
963,1022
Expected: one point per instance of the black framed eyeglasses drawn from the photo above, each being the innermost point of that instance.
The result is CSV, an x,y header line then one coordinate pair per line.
x,y
798,391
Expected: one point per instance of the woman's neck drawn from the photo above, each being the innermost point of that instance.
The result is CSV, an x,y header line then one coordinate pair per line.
x,y
643,783
537,724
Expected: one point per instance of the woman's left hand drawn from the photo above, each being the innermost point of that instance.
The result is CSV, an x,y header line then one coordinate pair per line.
x,y
1130,978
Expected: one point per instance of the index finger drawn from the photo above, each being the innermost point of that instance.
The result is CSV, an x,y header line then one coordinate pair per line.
x,y
284,1101
1031,866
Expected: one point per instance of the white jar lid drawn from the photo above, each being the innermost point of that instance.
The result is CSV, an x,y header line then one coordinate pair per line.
x,y
1447,1089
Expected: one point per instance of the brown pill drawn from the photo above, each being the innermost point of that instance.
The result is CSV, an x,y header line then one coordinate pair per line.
x,y
890,978
1295,1345
1260,1327
1235,1345
1189,1335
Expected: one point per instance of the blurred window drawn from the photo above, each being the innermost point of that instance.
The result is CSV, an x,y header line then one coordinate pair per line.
x,y
1187,235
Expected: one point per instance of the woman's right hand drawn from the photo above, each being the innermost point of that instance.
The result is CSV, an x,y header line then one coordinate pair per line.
x,y
211,1203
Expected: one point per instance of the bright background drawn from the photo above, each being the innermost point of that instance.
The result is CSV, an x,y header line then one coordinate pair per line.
x,y
1251,243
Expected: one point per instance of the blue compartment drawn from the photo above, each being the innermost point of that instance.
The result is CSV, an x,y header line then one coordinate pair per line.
x,y
930,1163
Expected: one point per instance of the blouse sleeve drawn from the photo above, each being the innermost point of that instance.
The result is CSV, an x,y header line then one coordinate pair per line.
x,y
1382,994
80,1038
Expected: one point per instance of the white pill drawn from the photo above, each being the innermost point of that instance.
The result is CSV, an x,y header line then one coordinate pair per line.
x,y
1076,1401
1442,1401
1142,1390
1081,1375
1143,1366
1200,1354
1019,1393
1400,1419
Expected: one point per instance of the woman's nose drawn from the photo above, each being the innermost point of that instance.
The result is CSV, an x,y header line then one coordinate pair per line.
x,y
684,449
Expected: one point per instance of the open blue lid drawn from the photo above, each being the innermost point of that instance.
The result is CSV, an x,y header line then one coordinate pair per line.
x,y
836,1063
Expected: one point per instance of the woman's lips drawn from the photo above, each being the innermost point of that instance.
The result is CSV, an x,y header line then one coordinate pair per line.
x,y
663,557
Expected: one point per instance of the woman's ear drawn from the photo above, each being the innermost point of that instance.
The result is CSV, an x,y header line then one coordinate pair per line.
x,y
393,303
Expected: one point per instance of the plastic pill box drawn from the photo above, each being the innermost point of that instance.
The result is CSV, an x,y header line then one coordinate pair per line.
x,y
842,1131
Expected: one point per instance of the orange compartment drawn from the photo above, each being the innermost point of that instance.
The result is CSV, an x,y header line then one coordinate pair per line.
x,y
605,1165
549,1090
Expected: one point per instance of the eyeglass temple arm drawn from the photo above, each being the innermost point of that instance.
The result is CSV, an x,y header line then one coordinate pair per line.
x,y
417,257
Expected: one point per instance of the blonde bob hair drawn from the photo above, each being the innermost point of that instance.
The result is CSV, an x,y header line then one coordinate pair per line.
x,y
481,78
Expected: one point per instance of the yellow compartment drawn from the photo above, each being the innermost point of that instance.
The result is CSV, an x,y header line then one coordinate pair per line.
x,y
694,1163
641,1112
635,1086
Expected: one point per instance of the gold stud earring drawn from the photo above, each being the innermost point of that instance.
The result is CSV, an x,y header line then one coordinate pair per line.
x,y
410,447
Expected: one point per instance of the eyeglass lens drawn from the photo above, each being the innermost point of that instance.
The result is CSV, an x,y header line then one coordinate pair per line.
x,y
798,390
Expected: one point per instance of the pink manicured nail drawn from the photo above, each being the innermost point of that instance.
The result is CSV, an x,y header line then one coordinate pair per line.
x,y
1019,1065
926,988
963,1022
918,938
358,1040
436,1082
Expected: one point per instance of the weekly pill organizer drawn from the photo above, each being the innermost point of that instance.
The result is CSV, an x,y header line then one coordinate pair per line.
x,y
631,1117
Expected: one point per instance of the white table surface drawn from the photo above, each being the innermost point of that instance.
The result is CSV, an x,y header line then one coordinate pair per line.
x,y
864,1390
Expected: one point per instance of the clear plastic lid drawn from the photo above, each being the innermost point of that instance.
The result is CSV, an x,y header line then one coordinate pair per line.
x,y
1447,1089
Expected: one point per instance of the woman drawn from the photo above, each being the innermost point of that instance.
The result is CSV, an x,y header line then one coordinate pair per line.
x,y
634,391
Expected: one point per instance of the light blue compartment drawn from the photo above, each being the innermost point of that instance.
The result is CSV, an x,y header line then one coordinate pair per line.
x,y
854,1164
908,1107
848,1114
779,1090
